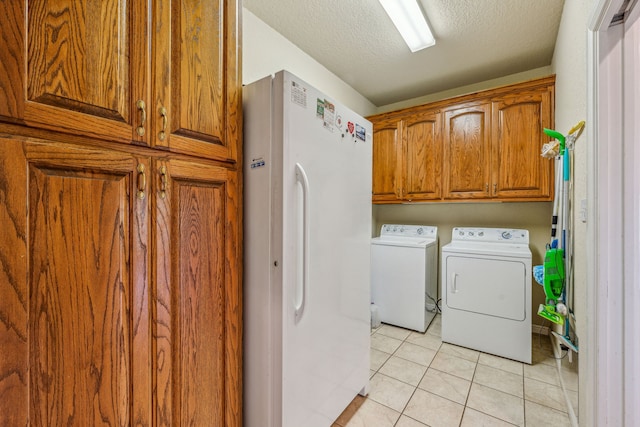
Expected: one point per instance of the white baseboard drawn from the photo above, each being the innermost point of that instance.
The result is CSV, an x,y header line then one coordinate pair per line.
x,y
542,330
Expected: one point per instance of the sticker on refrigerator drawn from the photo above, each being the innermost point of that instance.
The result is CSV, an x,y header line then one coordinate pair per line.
x,y
328,111
361,133
298,94
350,127
257,162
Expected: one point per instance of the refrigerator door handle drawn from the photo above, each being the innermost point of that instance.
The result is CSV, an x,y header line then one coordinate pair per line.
x,y
301,177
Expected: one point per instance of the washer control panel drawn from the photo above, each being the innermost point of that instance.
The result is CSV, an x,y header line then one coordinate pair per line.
x,y
409,230
496,235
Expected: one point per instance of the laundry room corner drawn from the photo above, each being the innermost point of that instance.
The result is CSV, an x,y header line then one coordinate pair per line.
x,y
532,216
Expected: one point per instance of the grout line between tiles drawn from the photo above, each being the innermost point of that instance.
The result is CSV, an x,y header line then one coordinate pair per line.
x,y
472,381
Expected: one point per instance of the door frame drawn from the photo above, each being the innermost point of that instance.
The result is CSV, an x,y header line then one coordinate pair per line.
x,y
609,381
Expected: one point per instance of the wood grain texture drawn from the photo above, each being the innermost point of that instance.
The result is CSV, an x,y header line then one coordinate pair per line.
x,y
491,155
84,68
14,295
198,318
96,335
423,157
202,61
387,149
518,169
78,57
83,306
467,152
12,60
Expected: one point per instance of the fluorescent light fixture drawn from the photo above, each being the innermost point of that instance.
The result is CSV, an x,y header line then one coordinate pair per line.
x,y
410,22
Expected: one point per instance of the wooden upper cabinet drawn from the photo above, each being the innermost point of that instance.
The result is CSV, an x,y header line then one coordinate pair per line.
x,y
407,158
76,343
387,154
482,146
423,157
467,152
161,73
519,171
196,82
76,67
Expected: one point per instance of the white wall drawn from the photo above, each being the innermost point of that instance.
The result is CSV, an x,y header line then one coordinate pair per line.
x,y
265,51
464,90
570,66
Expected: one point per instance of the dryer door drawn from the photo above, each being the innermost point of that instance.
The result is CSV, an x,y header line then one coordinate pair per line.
x,y
494,287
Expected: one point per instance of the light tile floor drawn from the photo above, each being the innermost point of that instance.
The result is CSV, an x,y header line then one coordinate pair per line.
x,y
417,380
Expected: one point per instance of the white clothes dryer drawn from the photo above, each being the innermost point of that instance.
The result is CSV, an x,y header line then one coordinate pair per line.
x,y
404,275
486,291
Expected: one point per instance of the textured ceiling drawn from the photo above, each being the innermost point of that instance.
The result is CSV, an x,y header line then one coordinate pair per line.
x,y
476,40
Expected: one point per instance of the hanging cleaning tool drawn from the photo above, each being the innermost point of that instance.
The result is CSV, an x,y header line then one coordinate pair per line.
x,y
553,282
555,274
553,148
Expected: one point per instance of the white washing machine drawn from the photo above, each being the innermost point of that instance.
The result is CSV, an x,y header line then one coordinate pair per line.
x,y
486,291
404,275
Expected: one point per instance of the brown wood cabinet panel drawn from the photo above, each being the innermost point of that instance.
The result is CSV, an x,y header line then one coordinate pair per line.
x,y
519,170
12,61
14,295
467,152
86,67
198,326
79,336
197,82
387,151
423,157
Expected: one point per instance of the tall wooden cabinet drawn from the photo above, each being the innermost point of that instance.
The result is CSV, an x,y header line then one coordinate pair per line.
x,y
483,146
120,250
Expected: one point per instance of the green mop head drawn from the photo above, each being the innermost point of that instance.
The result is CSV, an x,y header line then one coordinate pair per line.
x,y
548,311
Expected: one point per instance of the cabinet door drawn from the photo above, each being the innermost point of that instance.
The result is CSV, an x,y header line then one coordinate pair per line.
x,y
387,155
74,295
519,170
196,79
75,66
422,157
198,337
467,152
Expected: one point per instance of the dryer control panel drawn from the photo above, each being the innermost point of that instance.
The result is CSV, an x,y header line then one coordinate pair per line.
x,y
493,235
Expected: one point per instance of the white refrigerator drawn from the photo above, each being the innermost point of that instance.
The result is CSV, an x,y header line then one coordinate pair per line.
x,y
307,233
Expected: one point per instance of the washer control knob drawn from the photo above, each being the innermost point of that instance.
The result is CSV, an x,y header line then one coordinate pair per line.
x,y
420,231
481,233
506,235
